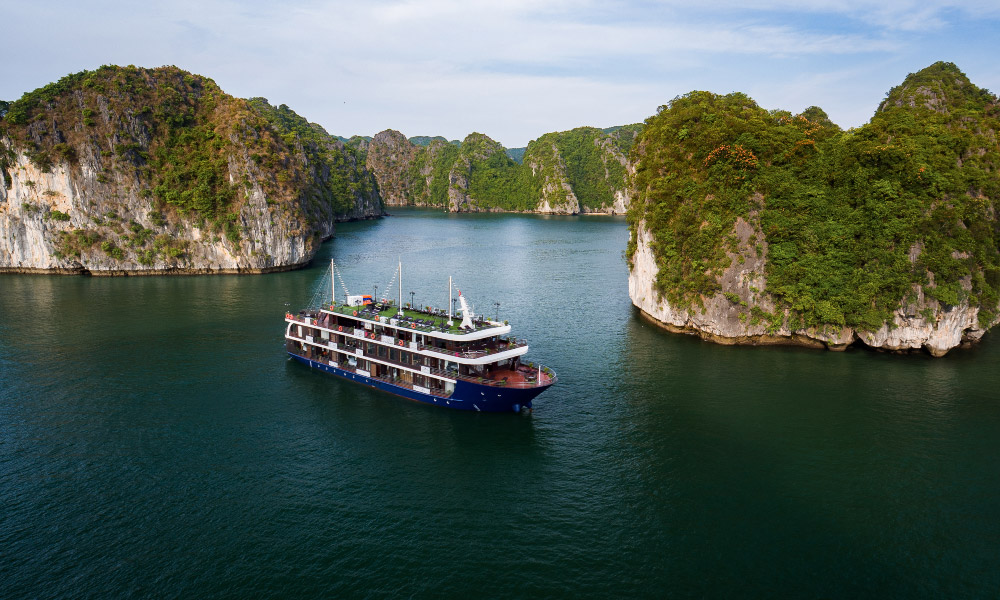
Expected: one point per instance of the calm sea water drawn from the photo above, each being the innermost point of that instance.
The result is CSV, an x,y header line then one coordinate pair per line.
x,y
155,442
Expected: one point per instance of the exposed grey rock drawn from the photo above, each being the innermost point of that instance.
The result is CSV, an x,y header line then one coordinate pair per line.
x,y
273,238
720,320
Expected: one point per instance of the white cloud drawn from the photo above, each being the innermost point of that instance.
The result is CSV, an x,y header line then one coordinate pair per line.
x,y
512,69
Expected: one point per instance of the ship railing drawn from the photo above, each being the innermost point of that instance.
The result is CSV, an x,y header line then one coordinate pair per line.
x,y
352,351
548,373
393,380
504,345
398,381
530,381
477,353
435,319
500,383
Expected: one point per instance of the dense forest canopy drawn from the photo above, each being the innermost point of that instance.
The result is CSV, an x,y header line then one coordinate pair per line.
x,y
434,171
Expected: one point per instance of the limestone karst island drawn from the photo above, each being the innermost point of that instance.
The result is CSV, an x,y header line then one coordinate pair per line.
x,y
748,226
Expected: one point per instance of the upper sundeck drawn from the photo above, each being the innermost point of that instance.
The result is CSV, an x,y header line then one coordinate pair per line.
x,y
429,322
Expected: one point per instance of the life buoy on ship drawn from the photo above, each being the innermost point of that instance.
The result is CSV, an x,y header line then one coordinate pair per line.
x,y
355,313
413,325
340,328
400,342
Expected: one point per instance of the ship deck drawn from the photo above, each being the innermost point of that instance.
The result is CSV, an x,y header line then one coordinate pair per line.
x,y
473,349
525,376
425,320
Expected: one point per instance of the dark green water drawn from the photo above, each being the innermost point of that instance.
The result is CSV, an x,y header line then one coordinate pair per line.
x,y
154,441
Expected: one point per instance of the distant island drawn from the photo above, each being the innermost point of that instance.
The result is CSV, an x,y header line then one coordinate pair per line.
x,y
571,172
751,226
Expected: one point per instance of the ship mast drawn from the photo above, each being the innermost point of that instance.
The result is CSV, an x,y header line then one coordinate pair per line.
x,y
450,322
400,286
333,282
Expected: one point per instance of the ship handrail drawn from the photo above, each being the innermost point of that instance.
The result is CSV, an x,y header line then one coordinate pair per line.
x,y
513,343
397,382
362,313
478,353
418,370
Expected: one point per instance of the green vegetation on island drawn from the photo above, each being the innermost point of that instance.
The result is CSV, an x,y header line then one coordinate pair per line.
x,y
426,140
336,177
591,161
428,174
853,223
495,180
516,154
478,173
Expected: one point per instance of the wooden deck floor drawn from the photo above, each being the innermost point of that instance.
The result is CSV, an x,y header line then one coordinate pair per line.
x,y
520,376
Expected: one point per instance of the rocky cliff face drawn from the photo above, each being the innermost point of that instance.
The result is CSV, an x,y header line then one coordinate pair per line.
x,y
803,234
458,187
390,157
614,149
144,171
740,315
57,222
548,167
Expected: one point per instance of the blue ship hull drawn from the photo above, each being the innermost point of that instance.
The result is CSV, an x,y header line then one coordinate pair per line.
x,y
467,395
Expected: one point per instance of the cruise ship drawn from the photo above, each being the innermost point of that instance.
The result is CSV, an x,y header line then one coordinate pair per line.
x,y
423,354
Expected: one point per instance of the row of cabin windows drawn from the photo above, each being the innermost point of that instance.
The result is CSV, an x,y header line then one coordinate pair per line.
x,y
381,350
401,334
346,358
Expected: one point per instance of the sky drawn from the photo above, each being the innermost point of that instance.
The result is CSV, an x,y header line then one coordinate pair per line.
x,y
512,69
